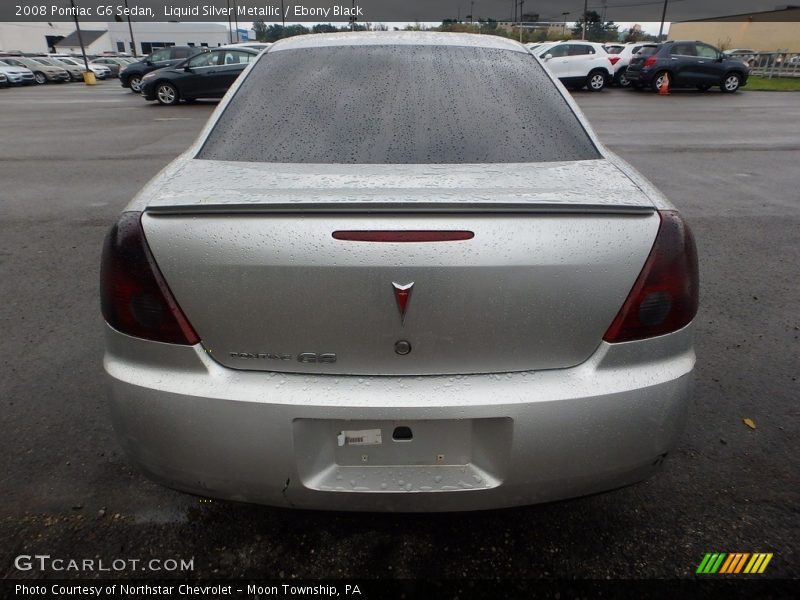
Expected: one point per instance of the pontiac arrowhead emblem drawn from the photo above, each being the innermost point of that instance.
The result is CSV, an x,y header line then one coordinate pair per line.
x,y
402,293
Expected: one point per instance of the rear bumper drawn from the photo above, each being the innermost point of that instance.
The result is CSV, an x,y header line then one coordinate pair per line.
x,y
642,76
493,440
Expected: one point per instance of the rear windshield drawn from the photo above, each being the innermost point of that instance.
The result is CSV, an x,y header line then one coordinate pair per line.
x,y
648,50
614,49
398,104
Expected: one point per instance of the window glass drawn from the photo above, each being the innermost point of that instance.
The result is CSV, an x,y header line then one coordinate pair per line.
x,y
614,49
683,49
580,49
160,55
706,51
206,59
557,51
398,105
237,58
180,53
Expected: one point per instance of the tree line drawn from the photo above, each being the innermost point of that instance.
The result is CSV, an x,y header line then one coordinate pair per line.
x,y
597,30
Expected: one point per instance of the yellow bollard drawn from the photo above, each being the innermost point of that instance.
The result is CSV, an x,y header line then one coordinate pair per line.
x,y
89,78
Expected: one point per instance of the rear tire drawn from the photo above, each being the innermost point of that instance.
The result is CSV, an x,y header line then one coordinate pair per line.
x,y
167,94
655,84
596,81
622,78
40,77
731,83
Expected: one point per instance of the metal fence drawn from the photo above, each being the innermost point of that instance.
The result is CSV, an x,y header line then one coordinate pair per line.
x,y
771,64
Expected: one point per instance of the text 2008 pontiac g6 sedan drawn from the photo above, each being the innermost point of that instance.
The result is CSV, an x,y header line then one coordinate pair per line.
x,y
407,277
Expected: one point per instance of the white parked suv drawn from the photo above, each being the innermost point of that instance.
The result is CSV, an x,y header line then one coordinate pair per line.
x,y
623,53
578,64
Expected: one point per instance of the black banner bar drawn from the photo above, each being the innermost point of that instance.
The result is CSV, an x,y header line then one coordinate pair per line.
x,y
399,589
390,11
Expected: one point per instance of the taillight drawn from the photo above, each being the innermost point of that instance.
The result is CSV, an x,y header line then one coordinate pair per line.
x,y
134,297
665,296
403,236
614,60
649,61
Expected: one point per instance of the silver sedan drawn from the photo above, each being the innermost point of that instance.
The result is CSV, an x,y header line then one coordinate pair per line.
x,y
398,271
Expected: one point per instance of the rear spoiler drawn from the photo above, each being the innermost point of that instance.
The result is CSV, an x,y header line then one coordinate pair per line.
x,y
402,208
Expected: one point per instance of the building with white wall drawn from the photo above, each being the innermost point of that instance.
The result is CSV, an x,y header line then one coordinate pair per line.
x,y
32,37
111,36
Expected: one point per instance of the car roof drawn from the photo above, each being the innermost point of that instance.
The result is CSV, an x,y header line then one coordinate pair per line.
x,y
237,48
397,38
584,42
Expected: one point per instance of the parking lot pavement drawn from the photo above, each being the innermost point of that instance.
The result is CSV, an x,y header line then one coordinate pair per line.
x,y
71,158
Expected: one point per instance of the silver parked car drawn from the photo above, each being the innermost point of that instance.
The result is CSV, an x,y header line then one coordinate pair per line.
x,y
17,75
408,278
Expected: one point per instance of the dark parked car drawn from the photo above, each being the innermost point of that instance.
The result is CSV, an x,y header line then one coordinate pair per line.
x,y
688,64
131,76
207,75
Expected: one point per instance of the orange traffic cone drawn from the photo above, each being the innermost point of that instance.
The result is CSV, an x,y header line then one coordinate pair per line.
x,y
663,89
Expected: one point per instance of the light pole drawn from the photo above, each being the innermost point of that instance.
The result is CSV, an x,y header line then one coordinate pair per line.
x,y
663,18
130,30
236,20
585,13
565,15
230,27
80,38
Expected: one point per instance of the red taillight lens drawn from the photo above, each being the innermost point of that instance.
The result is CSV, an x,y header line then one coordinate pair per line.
x,y
403,236
649,61
614,59
665,296
134,297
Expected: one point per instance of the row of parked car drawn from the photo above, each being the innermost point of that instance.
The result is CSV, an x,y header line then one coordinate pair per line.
x,y
171,75
639,65
56,68
187,73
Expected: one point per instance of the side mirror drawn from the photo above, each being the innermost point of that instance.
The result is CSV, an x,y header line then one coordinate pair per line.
x,y
187,68
548,56
720,57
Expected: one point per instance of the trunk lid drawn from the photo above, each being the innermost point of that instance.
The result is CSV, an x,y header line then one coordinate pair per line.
x,y
256,268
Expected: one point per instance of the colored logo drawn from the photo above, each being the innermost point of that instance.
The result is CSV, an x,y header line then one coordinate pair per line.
x,y
402,294
737,562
